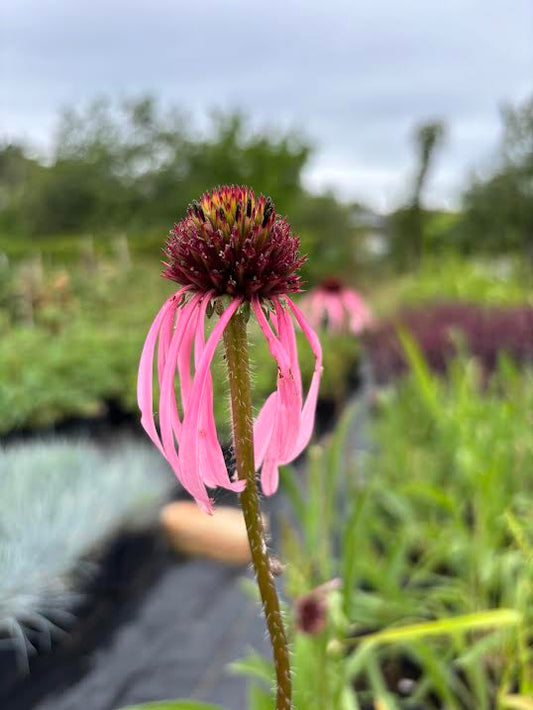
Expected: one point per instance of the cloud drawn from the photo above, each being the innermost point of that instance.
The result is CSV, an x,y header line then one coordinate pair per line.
x,y
354,75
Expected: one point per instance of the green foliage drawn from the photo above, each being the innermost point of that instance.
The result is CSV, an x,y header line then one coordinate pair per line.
x,y
327,236
496,215
75,335
431,536
133,165
409,240
503,281
499,209
453,467
58,502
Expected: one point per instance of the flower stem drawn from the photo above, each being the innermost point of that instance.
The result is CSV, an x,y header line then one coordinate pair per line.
x,y
236,343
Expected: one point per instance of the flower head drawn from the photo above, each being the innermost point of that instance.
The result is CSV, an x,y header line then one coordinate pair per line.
x,y
233,243
229,244
311,609
341,308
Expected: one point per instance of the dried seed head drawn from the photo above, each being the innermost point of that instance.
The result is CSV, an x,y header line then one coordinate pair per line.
x,y
234,243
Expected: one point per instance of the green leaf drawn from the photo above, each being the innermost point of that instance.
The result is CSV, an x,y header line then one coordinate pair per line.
x,y
489,620
260,699
254,666
348,700
517,702
426,382
292,489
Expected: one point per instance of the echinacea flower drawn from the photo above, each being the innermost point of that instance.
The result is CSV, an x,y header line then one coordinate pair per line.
x,y
231,249
339,307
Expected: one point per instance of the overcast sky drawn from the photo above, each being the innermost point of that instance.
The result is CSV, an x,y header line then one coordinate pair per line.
x,y
355,75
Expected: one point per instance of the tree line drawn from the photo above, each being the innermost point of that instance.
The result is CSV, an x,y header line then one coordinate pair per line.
x,y
133,166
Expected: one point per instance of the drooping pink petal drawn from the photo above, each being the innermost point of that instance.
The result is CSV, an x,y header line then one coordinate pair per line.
x,y
309,408
264,423
317,313
212,466
359,313
287,337
289,396
270,467
267,426
184,358
189,440
188,317
275,346
263,426
146,374
165,338
335,312
277,427
165,333
290,385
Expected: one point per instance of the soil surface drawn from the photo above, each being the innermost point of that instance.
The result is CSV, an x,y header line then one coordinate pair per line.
x,y
174,642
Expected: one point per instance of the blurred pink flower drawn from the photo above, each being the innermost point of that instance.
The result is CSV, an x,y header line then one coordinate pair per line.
x,y
229,244
340,308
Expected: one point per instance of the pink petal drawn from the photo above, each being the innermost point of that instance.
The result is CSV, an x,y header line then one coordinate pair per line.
x,y
213,470
276,429
289,396
358,311
263,427
188,317
335,311
189,440
165,338
270,468
165,334
308,412
287,336
146,375
184,361
289,383
316,309
277,350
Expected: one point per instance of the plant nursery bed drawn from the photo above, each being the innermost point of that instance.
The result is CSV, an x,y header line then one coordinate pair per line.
x,y
129,566
147,625
152,627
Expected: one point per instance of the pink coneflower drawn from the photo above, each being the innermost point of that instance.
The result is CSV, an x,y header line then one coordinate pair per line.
x,y
231,252
340,308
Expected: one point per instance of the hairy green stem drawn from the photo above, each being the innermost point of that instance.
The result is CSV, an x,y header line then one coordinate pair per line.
x,y
236,343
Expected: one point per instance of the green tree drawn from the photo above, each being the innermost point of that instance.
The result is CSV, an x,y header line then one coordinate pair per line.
x,y
16,168
427,137
132,164
498,210
408,224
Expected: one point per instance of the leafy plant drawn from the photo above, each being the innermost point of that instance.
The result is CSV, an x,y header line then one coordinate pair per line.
x,y
495,282
431,536
75,363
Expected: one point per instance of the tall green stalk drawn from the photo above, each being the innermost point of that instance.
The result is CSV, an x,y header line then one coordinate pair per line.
x,y
236,343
